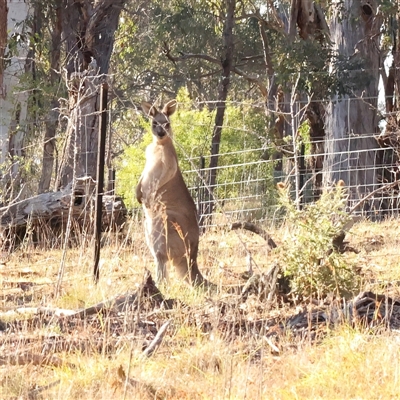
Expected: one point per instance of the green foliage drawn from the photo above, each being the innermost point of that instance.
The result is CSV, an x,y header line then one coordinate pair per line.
x,y
350,75
304,134
147,42
130,165
310,259
305,63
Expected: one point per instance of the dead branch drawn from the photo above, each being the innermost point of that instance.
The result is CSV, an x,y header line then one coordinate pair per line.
x,y
187,56
33,393
47,311
369,195
157,340
34,359
48,213
148,289
252,78
255,229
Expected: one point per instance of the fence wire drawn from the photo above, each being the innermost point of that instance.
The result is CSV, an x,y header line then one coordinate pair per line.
x,y
246,190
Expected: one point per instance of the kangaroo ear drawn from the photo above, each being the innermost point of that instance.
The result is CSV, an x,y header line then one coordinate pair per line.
x,y
149,109
170,108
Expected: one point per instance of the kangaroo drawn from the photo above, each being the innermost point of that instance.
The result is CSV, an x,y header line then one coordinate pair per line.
x,y
171,227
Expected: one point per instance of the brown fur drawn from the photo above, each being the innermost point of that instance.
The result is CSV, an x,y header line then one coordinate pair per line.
x,y
171,226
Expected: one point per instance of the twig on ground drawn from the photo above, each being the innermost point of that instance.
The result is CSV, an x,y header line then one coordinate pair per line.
x,y
157,340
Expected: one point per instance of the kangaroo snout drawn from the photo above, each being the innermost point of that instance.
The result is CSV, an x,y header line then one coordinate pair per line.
x,y
161,127
160,130
161,133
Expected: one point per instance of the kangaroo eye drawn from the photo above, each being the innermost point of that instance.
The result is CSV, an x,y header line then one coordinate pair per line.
x,y
167,125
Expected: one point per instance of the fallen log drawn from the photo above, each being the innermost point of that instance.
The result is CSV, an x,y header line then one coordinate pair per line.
x,y
255,229
44,217
34,359
147,290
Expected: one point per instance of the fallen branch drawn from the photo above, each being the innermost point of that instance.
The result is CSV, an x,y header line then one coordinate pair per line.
x,y
46,214
34,359
148,289
33,393
369,195
46,311
157,340
255,229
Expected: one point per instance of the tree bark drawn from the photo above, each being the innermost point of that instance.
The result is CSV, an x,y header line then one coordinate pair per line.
x,y
351,149
309,18
53,114
227,64
13,102
88,31
3,42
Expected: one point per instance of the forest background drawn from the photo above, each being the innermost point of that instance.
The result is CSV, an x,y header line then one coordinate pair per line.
x,y
295,79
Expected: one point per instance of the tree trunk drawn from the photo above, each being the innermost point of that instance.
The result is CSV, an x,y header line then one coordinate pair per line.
x,y
53,114
3,42
350,147
392,82
227,63
88,31
389,139
13,103
309,18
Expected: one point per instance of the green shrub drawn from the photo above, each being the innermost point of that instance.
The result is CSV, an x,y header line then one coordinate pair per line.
x,y
315,268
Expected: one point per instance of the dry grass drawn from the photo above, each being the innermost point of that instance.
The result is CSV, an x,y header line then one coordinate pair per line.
x,y
192,363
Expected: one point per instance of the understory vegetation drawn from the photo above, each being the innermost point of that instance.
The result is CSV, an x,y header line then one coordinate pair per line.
x,y
311,342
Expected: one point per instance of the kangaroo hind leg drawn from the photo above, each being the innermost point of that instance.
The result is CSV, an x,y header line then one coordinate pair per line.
x,y
161,261
187,270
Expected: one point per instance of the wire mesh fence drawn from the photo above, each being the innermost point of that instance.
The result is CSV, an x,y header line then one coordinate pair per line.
x,y
246,189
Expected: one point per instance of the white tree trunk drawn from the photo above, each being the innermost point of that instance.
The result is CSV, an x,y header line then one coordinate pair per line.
x,y
13,101
351,149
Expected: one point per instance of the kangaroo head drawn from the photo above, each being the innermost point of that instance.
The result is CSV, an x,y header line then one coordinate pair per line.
x,y
161,127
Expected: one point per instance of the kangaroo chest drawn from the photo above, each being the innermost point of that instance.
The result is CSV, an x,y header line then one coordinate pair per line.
x,y
161,166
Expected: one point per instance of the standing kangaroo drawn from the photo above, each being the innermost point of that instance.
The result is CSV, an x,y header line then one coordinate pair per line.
x,y
171,227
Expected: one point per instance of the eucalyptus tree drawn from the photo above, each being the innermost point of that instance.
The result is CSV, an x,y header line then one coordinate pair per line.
x,y
351,121
197,42
88,29
51,12
14,48
3,38
327,53
389,137
66,43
